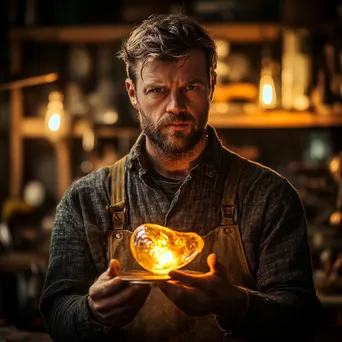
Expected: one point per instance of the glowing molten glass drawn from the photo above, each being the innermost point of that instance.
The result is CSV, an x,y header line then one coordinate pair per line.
x,y
160,250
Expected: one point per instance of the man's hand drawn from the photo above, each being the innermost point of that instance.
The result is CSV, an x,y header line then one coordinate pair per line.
x,y
113,301
198,295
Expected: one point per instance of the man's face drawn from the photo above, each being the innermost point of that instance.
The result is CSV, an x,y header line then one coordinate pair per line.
x,y
172,99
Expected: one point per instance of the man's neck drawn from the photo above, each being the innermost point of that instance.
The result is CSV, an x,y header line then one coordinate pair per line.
x,y
171,165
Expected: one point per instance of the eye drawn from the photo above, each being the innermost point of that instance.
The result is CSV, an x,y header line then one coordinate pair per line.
x,y
191,87
156,90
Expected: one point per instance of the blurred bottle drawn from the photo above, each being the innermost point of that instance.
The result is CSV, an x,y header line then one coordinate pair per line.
x,y
296,69
327,95
300,29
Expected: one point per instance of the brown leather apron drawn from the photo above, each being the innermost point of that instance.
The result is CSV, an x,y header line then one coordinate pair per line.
x,y
159,319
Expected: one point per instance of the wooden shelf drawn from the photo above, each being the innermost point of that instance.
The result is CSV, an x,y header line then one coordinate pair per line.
x,y
14,262
237,32
33,127
275,119
330,300
244,33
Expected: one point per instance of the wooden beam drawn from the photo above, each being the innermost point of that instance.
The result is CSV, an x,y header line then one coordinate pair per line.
x,y
16,147
15,56
237,32
63,166
16,113
274,119
33,127
244,33
31,81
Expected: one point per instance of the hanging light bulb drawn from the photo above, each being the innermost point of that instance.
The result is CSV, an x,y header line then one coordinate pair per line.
x,y
160,250
55,126
267,91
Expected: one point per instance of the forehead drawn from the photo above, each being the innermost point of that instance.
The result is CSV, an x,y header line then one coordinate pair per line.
x,y
193,66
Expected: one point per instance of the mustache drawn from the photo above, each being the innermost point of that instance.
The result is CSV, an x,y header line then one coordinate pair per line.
x,y
184,117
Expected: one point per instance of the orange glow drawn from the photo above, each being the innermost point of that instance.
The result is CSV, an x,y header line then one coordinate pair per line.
x,y
55,121
160,250
267,97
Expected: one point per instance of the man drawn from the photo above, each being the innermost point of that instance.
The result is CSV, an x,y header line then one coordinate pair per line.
x,y
256,280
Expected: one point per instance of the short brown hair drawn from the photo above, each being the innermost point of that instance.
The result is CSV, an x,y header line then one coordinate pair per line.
x,y
166,37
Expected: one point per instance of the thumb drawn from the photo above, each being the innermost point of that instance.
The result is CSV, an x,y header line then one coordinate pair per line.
x,y
215,266
113,268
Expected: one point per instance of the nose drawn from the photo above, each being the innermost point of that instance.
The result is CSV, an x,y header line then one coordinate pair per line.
x,y
176,102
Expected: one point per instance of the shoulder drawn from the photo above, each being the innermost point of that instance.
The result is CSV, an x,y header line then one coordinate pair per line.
x,y
262,182
92,186
268,201
93,181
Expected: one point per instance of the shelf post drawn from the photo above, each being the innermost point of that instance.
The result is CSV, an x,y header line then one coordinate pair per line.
x,y
64,177
16,112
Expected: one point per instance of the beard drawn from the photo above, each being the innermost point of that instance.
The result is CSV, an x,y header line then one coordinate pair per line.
x,y
177,143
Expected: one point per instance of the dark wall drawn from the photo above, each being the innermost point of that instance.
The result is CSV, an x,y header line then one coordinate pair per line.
x,y
4,113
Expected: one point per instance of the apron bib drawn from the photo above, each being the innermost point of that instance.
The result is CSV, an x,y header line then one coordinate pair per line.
x,y
159,319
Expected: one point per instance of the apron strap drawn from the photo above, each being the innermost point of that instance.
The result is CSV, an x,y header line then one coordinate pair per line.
x,y
230,188
117,209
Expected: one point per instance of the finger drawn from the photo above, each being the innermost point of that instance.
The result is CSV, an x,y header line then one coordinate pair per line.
x,y
198,281
116,317
179,294
211,261
113,268
174,285
131,295
134,294
120,315
175,290
106,288
215,266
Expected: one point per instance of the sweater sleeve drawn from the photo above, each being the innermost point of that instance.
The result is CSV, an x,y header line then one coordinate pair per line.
x,y
70,273
284,304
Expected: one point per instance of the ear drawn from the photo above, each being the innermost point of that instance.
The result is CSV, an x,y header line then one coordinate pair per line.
x,y
131,92
212,85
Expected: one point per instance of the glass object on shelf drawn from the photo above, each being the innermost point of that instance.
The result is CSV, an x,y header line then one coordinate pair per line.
x,y
55,125
222,69
296,69
105,96
327,94
160,249
267,89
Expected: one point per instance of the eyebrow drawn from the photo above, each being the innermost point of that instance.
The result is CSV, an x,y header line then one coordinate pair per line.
x,y
157,84
195,80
